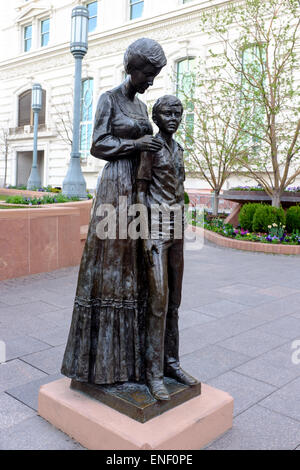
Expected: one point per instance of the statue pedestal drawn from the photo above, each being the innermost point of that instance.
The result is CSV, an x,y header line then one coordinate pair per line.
x,y
189,426
135,400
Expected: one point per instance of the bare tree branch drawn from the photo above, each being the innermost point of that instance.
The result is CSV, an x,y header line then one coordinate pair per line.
x,y
266,84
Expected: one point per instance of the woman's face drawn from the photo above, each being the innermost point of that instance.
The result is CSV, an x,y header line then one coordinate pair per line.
x,y
143,77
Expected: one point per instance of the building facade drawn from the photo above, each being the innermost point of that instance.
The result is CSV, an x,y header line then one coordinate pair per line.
x,y
35,37
35,40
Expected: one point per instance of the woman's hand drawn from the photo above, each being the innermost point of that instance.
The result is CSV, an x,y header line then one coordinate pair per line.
x,y
148,144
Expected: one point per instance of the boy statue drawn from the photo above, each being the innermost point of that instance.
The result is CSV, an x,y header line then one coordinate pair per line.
x,y
160,180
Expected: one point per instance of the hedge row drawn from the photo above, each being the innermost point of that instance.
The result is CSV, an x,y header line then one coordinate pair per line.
x,y
257,217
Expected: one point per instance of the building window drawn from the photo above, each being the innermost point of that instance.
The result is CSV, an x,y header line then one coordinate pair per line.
x,y
86,123
93,12
253,63
45,32
25,114
184,90
27,38
136,9
25,111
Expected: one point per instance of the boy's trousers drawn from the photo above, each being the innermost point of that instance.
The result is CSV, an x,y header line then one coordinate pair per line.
x,y
164,285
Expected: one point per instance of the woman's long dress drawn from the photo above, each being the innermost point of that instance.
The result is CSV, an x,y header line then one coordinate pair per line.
x,y
106,339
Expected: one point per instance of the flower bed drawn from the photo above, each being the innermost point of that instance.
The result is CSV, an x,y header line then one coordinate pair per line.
x,y
43,189
225,235
226,242
277,234
37,201
54,195
290,189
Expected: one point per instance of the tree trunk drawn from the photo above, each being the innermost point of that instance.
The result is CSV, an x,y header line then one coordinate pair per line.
x,y
215,196
276,198
5,167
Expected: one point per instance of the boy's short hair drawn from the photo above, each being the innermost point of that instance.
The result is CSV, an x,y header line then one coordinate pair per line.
x,y
166,100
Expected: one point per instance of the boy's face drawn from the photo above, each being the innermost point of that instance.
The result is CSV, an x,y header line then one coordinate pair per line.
x,y
168,118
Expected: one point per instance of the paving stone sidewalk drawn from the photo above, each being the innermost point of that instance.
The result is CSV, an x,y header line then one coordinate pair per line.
x,y
239,318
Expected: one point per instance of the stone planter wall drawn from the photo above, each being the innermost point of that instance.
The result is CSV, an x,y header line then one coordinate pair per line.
x,y
42,239
242,197
204,198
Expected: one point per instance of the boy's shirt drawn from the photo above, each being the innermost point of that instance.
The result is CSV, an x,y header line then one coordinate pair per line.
x,y
165,172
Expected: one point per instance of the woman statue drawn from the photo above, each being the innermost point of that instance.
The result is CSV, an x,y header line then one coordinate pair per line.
x,y
106,339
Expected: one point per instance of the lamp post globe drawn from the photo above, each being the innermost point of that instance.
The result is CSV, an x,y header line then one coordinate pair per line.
x,y
37,97
34,180
79,30
74,184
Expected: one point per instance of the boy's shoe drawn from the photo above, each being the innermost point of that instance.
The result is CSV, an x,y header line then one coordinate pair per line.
x,y
158,389
175,372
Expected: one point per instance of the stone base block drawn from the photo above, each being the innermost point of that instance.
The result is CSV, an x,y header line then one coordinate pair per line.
x,y
96,426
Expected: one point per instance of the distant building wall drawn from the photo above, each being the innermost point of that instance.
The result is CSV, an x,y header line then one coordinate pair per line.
x,y
174,23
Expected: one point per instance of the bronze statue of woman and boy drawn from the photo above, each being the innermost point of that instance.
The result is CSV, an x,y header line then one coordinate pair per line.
x,y
125,319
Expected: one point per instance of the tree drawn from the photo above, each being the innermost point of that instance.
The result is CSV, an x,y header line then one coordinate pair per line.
x,y
5,147
64,121
260,60
209,131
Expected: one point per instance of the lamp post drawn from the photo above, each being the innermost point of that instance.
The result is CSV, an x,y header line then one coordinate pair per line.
x,y
34,180
74,183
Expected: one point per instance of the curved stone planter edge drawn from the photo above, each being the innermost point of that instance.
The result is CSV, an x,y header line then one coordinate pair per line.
x,y
250,246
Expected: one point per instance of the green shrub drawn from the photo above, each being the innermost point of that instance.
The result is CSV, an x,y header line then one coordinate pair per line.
x,y
266,215
15,200
246,215
186,198
293,219
17,187
277,215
